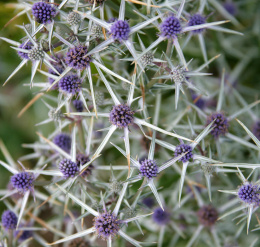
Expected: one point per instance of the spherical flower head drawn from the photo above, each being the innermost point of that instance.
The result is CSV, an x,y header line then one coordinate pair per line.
x,y
181,149
220,125
55,115
147,58
9,220
82,159
121,115
43,12
107,225
249,194
23,181
96,31
78,242
63,141
256,129
60,69
78,105
75,57
115,186
68,168
208,169
36,54
170,27
198,101
148,202
120,30
161,217
99,97
207,215
98,2
230,7
70,84
195,20
178,75
148,168
23,235
73,18
26,46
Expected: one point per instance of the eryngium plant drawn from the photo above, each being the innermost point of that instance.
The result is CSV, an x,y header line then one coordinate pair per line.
x,y
140,145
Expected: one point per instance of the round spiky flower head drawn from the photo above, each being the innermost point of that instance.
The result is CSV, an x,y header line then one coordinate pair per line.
x,y
70,84
148,168
121,116
55,115
107,225
98,2
36,53
99,97
23,235
26,46
9,220
78,104
181,149
195,20
207,215
81,160
68,168
256,129
220,125
22,181
78,242
43,12
96,31
170,27
161,217
147,58
198,101
208,169
230,7
249,194
115,186
75,57
120,30
73,18
177,75
63,141
148,202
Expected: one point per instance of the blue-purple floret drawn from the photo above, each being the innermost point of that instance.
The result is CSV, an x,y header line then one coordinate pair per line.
x,y
148,202
230,7
68,168
43,12
26,46
207,215
220,125
78,104
170,27
75,57
107,225
81,160
70,84
9,220
256,129
181,149
121,115
23,235
198,101
249,194
120,30
148,168
22,181
63,141
195,20
161,217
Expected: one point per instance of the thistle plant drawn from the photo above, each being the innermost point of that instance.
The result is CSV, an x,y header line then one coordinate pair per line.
x,y
132,129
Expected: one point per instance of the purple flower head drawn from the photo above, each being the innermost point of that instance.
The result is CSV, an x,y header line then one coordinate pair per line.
x,y
70,84
181,149
256,129
120,30
170,27
121,116
25,46
9,220
207,215
78,242
60,69
68,168
198,101
63,141
75,57
148,202
195,20
161,217
230,7
107,225
220,125
23,235
249,194
22,181
81,160
148,168
43,12
78,104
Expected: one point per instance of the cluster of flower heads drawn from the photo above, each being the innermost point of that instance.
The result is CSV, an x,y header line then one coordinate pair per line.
x,y
129,84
